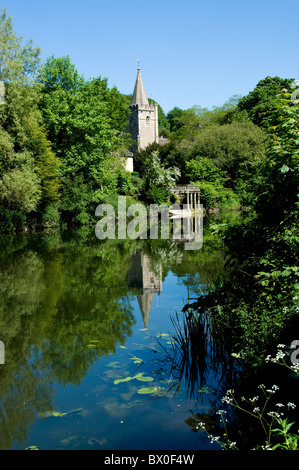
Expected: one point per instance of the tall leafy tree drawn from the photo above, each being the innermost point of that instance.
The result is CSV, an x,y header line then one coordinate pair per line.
x,y
260,103
278,192
83,119
28,168
234,148
18,61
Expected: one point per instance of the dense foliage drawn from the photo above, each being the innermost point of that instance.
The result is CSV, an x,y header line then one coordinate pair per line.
x,y
61,138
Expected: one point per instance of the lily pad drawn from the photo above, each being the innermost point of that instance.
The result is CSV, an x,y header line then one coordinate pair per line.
x,y
136,360
148,390
126,379
47,414
139,377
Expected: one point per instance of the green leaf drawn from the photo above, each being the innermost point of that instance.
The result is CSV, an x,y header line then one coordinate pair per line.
x,y
126,379
151,390
139,377
286,272
147,390
284,169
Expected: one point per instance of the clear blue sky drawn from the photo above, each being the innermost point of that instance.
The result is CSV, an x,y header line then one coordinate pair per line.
x,y
192,52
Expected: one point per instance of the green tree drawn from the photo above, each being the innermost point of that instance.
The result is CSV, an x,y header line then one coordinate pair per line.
x,y
18,61
277,193
60,73
79,120
211,180
203,169
28,168
173,118
260,103
158,179
235,148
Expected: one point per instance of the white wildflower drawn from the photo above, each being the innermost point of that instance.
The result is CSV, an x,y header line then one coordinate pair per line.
x,y
254,399
232,444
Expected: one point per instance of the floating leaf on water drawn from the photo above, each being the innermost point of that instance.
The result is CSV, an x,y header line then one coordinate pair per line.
x,y
171,342
58,413
122,346
142,329
32,448
136,360
145,379
162,335
150,390
47,414
139,377
126,379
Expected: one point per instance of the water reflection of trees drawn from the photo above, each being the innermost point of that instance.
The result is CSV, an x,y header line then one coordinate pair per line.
x,y
56,296
58,292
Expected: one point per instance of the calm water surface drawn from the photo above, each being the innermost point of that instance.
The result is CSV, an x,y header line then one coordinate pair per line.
x,y
88,332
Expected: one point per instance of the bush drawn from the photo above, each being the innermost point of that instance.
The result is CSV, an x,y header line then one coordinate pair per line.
x,y
11,220
216,196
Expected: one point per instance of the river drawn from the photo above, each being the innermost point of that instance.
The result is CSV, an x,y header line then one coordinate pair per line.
x,y
88,329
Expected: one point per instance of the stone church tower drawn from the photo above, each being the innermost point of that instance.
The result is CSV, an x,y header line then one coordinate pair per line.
x,y
143,120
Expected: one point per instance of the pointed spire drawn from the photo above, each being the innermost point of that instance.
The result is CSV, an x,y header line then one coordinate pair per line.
x,y
139,96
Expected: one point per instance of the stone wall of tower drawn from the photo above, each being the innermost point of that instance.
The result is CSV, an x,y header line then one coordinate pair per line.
x,y
143,125
148,125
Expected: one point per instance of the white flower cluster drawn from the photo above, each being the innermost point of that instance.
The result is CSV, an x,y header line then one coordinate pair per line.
x,y
228,397
280,355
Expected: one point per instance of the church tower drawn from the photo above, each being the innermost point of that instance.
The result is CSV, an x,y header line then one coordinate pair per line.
x,y
143,120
